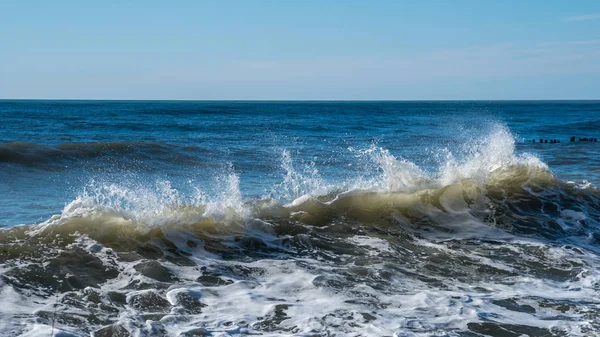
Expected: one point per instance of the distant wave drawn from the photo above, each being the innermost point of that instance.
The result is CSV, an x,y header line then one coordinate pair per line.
x,y
37,154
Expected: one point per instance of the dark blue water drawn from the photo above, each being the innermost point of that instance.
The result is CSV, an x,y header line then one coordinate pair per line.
x,y
153,218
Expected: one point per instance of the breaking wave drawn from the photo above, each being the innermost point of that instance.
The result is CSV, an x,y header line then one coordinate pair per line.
x,y
457,192
490,166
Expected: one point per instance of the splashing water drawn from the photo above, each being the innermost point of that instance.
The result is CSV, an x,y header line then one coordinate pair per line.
x,y
298,183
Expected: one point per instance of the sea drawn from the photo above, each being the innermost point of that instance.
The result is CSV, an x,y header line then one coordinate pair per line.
x,y
259,218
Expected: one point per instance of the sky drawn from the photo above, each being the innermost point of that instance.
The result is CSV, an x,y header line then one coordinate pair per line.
x,y
300,50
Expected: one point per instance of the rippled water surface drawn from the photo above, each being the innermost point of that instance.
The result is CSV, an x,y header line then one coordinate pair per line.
x,y
299,218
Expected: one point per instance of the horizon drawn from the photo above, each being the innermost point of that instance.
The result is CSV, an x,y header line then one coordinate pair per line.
x,y
295,100
301,51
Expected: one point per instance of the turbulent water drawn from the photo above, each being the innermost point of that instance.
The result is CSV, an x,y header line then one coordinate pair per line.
x,y
299,219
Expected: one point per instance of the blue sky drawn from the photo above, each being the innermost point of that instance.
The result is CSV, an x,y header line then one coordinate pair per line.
x,y
397,50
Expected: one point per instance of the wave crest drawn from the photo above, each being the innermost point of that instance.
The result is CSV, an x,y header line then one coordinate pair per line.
x,y
487,160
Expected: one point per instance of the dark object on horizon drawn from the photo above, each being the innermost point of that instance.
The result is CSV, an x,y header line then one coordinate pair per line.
x,y
584,139
572,139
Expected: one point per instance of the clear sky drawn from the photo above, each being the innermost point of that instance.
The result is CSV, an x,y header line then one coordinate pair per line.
x,y
334,49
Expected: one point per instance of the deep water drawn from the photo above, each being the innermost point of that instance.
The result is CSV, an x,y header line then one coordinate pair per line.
x,y
299,218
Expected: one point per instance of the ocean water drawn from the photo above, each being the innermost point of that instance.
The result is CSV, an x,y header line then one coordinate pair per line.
x,y
299,218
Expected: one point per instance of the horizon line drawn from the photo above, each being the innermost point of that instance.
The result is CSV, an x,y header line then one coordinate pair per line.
x,y
300,100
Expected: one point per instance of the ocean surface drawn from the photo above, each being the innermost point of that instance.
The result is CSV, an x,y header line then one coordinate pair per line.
x,y
299,218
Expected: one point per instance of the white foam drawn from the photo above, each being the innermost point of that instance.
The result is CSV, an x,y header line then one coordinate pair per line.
x,y
376,245
407,306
